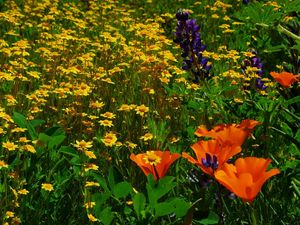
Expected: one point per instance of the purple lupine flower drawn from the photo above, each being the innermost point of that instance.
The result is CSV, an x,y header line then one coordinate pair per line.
x,y
246,2
255,62
209,161
188,36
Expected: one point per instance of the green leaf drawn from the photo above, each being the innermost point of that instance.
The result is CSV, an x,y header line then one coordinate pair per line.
x,y
44,138
286,129
101,181
180,206
292,6
162,188
106,216
297,135
100,199
163,209
122,189
114,176
55,131
292,100
19,119
68,151
139,202
36,123
56,141
212,218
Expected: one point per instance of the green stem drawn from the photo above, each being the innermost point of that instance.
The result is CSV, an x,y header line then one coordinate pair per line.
x,y
253,216
281,29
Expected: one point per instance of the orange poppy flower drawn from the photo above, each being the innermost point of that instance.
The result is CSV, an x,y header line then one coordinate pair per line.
x,y
246,177
229,134
211,154
155,162
285,79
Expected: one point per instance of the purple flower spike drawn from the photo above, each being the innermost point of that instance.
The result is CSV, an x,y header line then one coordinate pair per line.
x,y
188,36
257,63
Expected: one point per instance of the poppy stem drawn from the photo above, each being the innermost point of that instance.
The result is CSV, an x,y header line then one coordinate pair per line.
x,y
253,216
220,203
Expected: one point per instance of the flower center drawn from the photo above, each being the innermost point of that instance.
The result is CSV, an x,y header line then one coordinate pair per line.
x,y
152,158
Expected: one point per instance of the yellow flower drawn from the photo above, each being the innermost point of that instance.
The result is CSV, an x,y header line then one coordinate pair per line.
x,y
109,139
96,105
89,205
23,140
92,184
83,145
131,145
147,136
3,164
92,218
141,110
9,214
125,107
29,148
47,187
106,123
91,166
108,115
10,146
90,154
23,192
152,158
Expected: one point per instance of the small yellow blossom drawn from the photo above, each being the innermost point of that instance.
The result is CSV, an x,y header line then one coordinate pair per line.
x,y
23,192
109,139
3,164
89,205
147,136
106,123
141,110
90,154
91,166
108,115
9,214
92,184
92,218
29,148
83,145
10,146
47,187
152,158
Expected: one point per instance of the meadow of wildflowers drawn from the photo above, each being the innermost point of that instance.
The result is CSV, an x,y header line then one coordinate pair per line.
x,y
149,112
